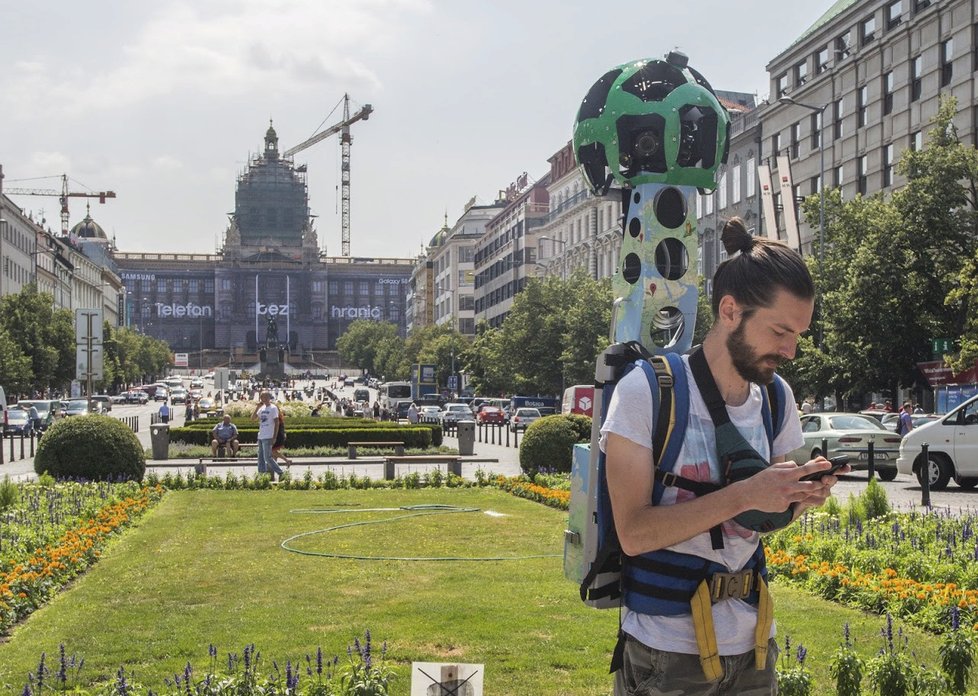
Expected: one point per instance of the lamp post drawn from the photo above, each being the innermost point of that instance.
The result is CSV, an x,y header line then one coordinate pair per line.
x,y
820,110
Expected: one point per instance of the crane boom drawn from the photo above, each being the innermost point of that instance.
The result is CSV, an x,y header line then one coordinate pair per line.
x,y
362,115
63,195
343,127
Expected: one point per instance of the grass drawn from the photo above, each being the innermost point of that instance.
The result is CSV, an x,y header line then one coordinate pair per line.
x,y
207,567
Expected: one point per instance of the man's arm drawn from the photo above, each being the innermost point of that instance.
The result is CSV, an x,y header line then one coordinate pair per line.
x,y
644,527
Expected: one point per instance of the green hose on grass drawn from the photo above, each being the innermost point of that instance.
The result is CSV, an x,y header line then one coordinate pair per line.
x,y
412,511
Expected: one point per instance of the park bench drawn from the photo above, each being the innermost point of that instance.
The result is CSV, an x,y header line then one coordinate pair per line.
x,y
352,447
452,461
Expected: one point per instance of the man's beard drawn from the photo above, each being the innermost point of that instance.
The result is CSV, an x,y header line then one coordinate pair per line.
x,y
746,361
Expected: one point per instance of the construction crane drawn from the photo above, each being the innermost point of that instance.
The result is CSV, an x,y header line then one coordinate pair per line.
x,y
63,195
343,128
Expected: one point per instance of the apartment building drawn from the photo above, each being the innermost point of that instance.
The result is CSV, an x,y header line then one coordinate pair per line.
x,y
861,86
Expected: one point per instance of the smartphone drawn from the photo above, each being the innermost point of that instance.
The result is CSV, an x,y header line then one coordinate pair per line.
x,y
837,463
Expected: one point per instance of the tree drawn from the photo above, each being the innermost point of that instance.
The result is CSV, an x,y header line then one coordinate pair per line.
x,y
44,334
358,344
16,374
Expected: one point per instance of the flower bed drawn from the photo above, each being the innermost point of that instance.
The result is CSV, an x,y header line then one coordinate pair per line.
x,y
48,545
913,565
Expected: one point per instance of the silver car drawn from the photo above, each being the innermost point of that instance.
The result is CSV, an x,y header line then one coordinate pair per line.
x,y
522,418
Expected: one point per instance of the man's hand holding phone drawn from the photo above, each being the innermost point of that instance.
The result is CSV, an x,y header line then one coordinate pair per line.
x,y
838,463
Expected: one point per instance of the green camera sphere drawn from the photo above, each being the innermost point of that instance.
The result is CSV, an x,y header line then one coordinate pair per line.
x,y
651,121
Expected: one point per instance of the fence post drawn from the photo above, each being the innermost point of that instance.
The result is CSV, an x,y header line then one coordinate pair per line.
x,y
870,467
925,478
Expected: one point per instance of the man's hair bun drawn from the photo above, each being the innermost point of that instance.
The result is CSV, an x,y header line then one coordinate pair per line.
x,y
735,237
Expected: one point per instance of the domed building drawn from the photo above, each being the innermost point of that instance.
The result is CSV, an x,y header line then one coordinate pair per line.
x,y
269,284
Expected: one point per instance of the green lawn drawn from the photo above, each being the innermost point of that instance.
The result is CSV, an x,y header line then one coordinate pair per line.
x,y
207,567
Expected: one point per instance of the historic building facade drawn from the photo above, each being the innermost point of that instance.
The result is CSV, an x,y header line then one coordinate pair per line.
x,y
269,283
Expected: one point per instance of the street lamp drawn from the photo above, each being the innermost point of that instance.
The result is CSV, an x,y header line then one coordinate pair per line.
x,y
820,110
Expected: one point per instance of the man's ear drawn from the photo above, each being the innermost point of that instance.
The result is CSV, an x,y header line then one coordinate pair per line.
x,y
729,312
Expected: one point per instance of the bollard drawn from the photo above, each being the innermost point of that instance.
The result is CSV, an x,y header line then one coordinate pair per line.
x,y
507,435
32,445
21,444
516,438
870,468
925,479
1,446
11,447
825,447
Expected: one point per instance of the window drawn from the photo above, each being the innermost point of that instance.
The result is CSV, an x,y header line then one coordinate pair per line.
x,y
801,73
795,138
888,165
894,14
868,30
782,84
334,287
751,177
974,47
822,60
919,5
839,178
887,93
194,286
735,183
862,99
776,144
917,141
813,184
816,128
916,69
863,166
160,285
699,205
843,46
947,53
839,109
709,204
797,193
722,192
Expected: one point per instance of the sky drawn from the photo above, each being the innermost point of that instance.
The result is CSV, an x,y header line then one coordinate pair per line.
x,y
165,102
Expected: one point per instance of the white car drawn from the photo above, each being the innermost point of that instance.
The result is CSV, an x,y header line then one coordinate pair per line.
x,y
453,413
522,418
429,414
952,449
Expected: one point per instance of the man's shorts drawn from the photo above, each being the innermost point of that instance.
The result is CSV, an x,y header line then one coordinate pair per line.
x,y
650,672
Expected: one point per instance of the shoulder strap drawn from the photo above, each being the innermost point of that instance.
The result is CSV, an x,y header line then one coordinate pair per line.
x,y
773,400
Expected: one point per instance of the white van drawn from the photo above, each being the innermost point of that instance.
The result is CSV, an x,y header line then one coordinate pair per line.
x,y
952,449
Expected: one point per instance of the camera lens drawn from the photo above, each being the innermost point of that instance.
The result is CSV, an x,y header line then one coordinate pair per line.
x,y
646,144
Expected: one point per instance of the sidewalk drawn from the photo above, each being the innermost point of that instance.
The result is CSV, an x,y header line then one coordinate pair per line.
x,y
508,465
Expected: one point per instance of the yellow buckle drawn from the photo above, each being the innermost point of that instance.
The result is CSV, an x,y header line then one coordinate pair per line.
x,y
731,585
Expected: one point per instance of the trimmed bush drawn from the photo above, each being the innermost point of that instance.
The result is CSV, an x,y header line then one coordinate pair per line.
x,y
92,447
549,442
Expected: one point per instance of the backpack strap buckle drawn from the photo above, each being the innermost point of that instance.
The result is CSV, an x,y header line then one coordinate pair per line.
x,y
668,478
731,585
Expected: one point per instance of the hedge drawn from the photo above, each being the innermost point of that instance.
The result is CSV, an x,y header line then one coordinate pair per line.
x,y
417,437
197,432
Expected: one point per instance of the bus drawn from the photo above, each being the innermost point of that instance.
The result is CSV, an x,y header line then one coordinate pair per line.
x,y
393,393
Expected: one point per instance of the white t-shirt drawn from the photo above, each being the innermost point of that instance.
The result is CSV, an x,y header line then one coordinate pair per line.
x,y
630,416
267,415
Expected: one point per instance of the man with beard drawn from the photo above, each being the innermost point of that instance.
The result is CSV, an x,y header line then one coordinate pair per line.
x,y
763,299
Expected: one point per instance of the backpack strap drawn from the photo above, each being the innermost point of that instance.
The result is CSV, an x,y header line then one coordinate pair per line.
x,y
772,409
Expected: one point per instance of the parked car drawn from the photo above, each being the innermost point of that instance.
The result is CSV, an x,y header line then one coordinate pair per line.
x,y
491,415
77,407
849,433
522,418
455,412
429,414
47,410
952,451
104,401
18,423
120,398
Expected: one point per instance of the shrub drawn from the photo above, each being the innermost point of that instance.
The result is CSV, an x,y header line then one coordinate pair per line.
x,y
92,447
582,424
548,444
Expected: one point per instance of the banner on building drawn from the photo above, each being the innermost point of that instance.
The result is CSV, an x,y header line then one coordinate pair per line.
x,y
788,203
767,201
181,359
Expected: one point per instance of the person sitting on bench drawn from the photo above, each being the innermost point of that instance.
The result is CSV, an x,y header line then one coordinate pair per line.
x,y
225,435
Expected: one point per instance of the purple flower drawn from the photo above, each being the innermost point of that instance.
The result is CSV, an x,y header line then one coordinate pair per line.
x,y
801,654
955,618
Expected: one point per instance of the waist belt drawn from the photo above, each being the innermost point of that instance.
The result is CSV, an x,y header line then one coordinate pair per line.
x,y
720,587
